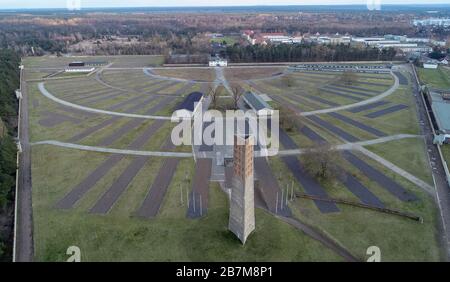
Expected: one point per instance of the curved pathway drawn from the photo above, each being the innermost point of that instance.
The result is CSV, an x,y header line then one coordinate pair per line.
x,y
365,102
104,83
111,150
47,94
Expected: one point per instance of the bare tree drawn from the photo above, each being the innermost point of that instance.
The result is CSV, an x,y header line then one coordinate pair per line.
x,y
288,80
348,78
236,91
322,161
214,92
290,120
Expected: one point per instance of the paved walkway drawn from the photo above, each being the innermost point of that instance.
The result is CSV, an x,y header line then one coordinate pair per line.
x,y
148,72
113,151
422,184
220,79
47,94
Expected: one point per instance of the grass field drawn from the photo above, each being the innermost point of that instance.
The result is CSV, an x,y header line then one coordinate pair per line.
x,y
408,154
118,61
198,74
446,153
120,236
356,229
437,78
244,73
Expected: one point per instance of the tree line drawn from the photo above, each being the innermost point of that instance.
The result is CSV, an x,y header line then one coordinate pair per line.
x,y
9,82
308,52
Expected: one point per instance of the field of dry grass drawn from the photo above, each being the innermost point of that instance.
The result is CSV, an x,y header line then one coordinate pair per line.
x,y
247,73
198,74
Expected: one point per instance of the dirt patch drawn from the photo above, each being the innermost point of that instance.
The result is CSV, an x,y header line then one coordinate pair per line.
x,y
236,74
188,73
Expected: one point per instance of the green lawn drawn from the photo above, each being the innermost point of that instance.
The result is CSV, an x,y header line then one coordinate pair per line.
x,y
120,236
446,152
356,229
438,78
408,154
228,39
119,61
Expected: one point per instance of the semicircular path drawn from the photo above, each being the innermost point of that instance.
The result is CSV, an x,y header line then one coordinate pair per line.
x,y
364,102
104,83
47,94
112,150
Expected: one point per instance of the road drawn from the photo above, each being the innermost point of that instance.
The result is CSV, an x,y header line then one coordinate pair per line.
x,y
24,229
441,186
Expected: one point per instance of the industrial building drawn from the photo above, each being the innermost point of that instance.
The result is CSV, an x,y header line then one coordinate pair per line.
x,y
79,69
430,65
343,67
439,101
77,64
398,42
432,22
218,62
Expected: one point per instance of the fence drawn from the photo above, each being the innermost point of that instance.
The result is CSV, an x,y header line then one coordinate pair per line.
x,y
441,156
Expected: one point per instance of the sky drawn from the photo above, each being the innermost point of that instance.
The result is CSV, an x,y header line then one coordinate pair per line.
x,y
15,4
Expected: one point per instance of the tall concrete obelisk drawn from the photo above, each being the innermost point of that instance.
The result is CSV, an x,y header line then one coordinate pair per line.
x,y
242,204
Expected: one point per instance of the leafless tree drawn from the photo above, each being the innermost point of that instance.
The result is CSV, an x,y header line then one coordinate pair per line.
x,y
288,81
348,78
236,92
289,119
322,162
214,92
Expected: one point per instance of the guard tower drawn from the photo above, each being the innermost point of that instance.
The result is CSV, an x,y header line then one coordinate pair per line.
x,y
242,204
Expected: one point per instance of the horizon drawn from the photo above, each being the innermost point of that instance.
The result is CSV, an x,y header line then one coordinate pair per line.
x,y
136,4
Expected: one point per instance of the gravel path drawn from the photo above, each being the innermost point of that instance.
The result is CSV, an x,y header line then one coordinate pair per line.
x,y
198,202
155,196
336,130
358,124
385,182
386,111
368,107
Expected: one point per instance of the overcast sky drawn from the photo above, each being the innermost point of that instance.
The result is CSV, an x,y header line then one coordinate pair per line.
x,y
7,4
